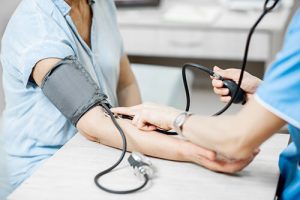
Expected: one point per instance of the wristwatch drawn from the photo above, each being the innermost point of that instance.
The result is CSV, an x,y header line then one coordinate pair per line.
x,y
179,121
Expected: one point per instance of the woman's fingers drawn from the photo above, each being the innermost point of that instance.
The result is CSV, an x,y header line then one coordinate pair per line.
x,y
150,114
150,128
135,120
145,126
139,122
124,111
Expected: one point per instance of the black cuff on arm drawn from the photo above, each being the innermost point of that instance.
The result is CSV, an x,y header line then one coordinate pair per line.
x,y
72,90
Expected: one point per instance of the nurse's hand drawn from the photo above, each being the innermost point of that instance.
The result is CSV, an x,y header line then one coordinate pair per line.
x,y
210,160
249,85
150,116
226,166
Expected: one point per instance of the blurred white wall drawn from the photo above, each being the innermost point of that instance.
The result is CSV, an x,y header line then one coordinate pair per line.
x,y
6,9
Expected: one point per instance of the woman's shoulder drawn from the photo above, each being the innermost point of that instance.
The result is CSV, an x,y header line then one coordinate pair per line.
x,y
33,22
28,15
33,7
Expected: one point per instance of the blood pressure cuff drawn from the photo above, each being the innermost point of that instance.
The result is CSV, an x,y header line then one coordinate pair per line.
x,y
72,90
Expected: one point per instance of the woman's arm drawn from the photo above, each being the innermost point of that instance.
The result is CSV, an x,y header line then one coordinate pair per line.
x,y
95,126
128,90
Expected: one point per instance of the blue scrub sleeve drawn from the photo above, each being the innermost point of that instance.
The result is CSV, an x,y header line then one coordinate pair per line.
x,y
280,91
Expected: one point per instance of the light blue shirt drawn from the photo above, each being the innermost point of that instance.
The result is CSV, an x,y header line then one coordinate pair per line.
x,y
280,94
4,188
33,128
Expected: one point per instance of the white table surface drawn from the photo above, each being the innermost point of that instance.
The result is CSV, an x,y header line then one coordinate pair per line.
x,y
69,175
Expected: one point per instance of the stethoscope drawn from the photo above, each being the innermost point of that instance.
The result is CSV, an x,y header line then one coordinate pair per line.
x,y
238,96
141,164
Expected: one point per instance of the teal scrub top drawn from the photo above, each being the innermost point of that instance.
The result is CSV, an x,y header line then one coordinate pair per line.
x,y
280,94
33,129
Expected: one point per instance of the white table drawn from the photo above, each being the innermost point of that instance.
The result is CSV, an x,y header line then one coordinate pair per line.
x,y
69,175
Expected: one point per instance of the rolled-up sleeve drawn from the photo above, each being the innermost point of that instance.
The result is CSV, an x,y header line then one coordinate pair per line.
x,y
42,50
32,37
280,91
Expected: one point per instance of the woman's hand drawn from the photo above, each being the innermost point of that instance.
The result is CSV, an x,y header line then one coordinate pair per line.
x,y
150,116
250,83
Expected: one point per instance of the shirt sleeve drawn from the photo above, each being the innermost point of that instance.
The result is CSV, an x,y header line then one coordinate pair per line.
x,y
280,91
32,37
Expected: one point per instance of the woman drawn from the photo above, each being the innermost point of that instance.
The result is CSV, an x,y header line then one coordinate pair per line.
x,y
40,34
275,103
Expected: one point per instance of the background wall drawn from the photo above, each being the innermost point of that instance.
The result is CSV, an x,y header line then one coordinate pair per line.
x,y
297,3
9,6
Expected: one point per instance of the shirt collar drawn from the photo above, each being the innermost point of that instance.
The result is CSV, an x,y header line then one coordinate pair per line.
x,y
64,7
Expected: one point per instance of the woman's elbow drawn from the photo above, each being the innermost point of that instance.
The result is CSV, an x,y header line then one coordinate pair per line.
x,y
94,125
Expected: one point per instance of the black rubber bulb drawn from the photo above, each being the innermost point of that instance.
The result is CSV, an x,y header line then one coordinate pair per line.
x,y
232,86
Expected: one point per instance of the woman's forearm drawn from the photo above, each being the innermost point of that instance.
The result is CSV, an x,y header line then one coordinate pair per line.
x,y
129,95
97,127
128,91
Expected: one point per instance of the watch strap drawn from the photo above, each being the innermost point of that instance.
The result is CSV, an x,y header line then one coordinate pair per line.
x,y
179,122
